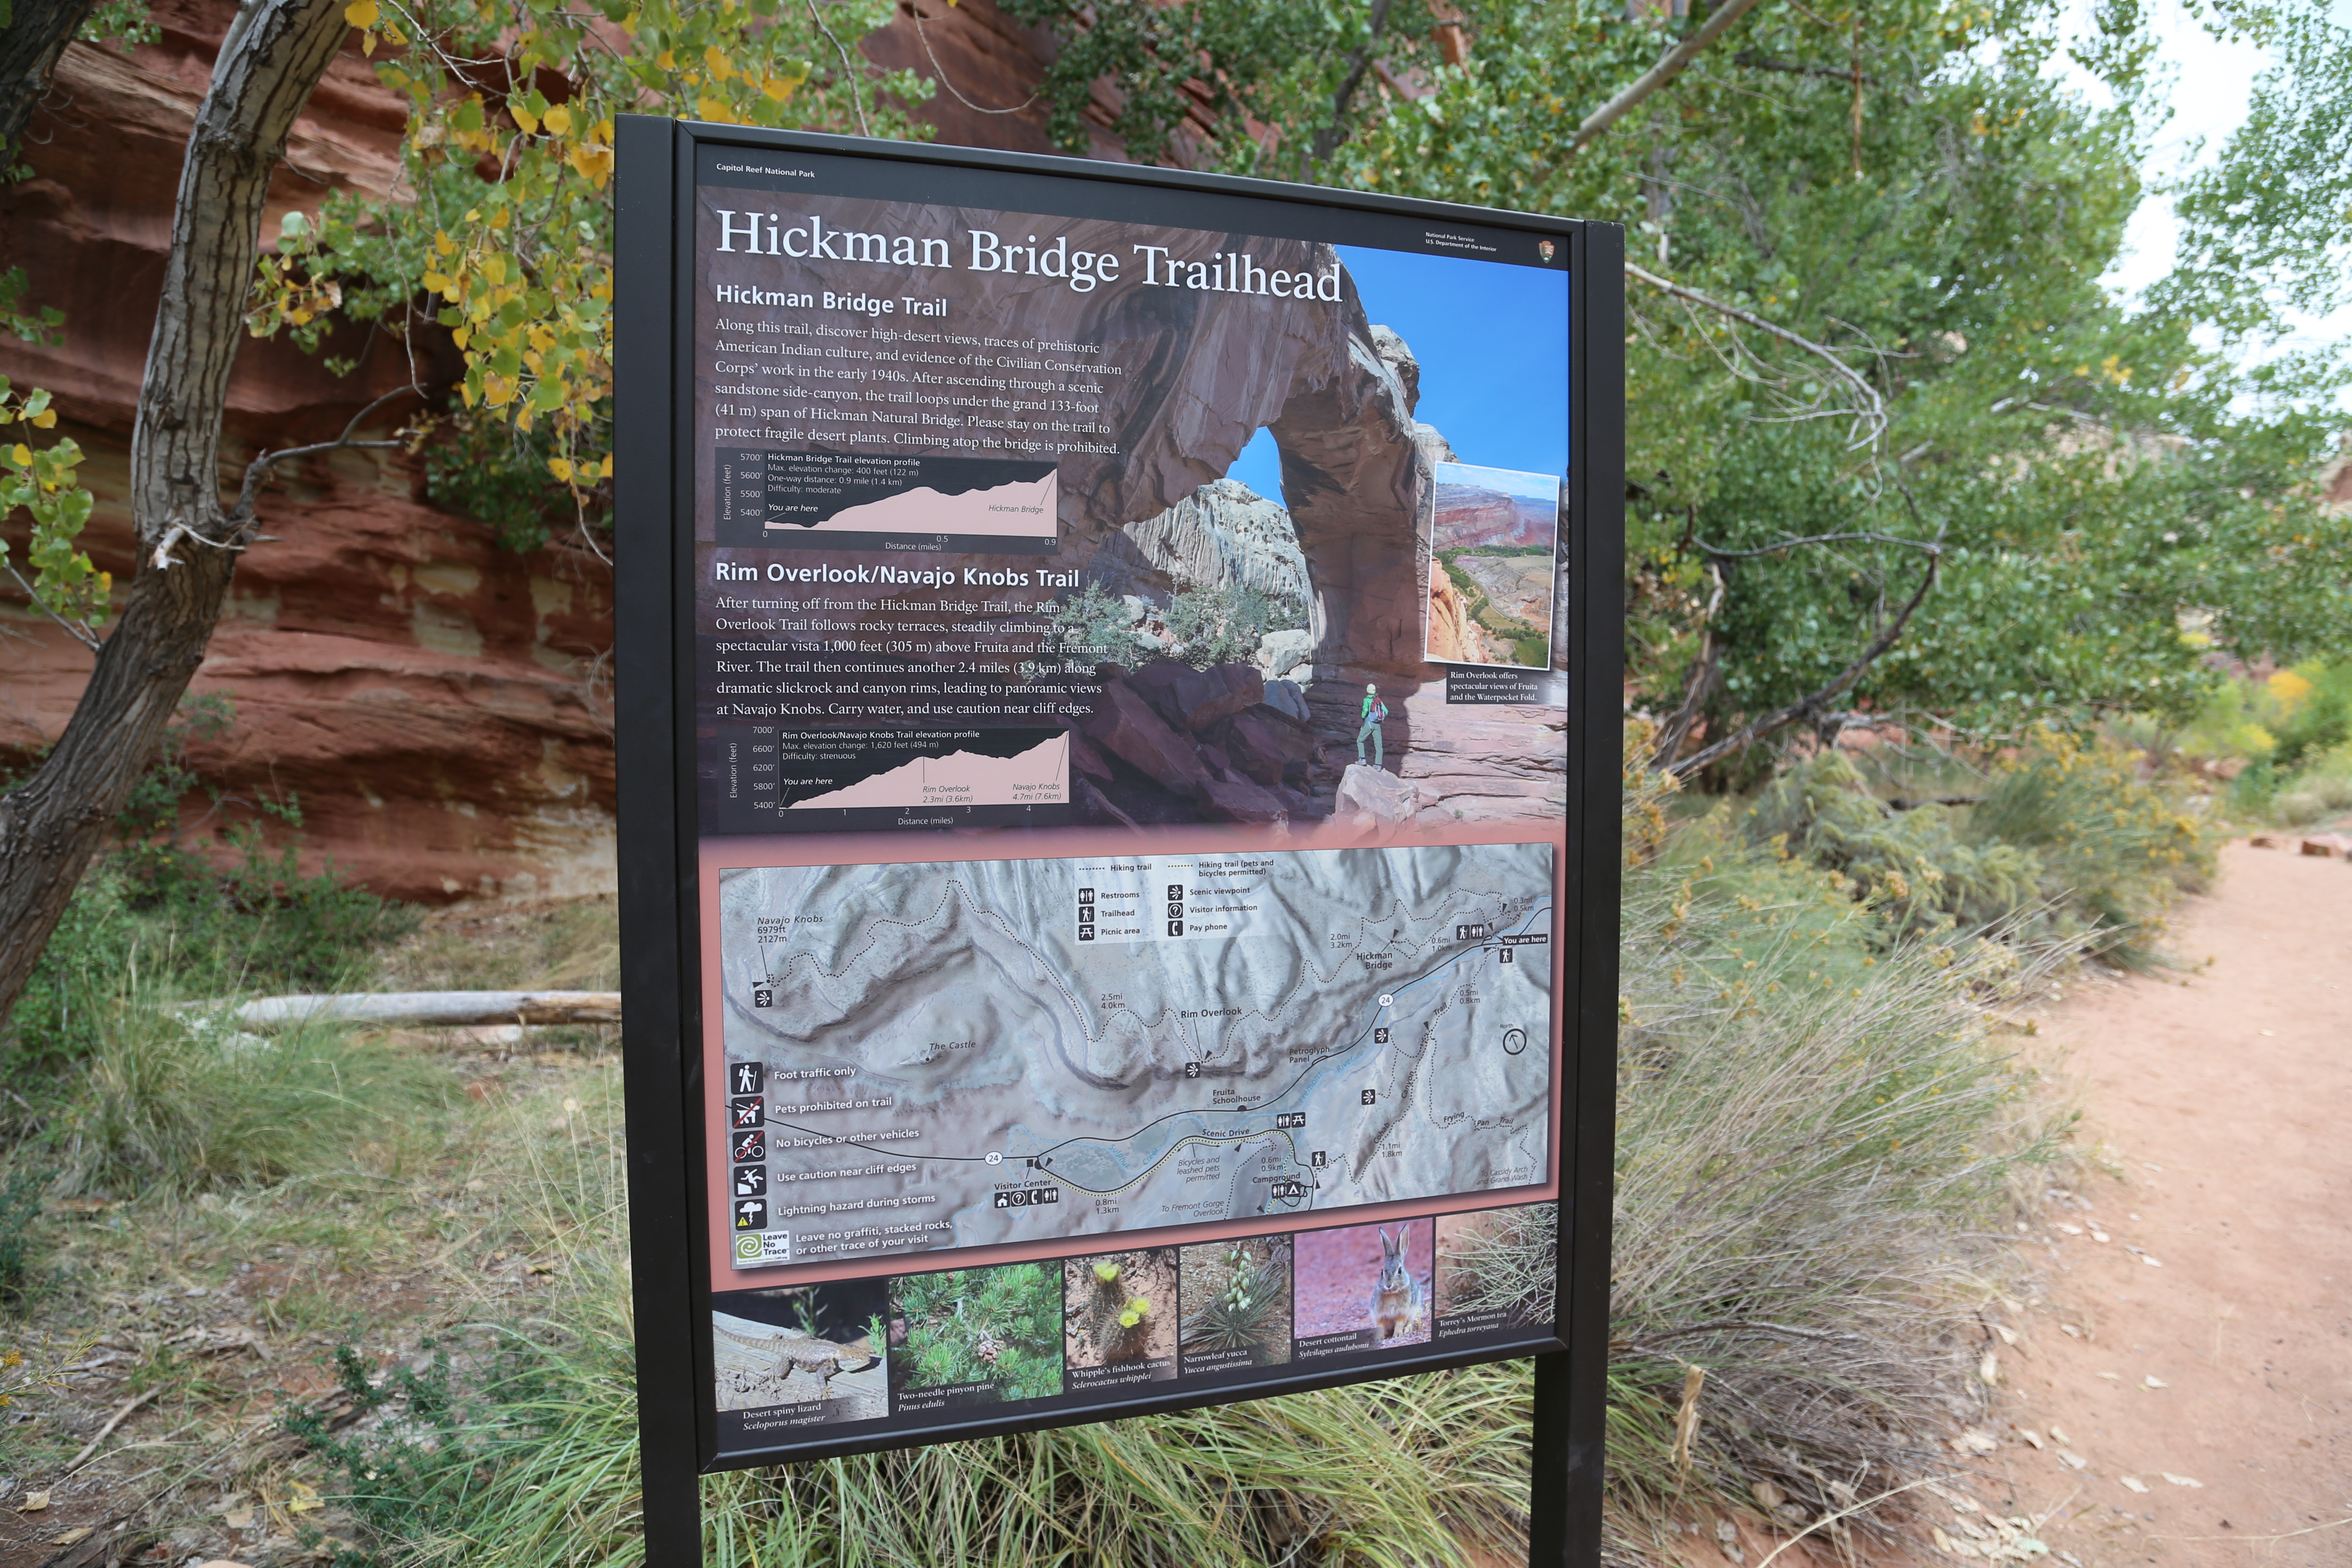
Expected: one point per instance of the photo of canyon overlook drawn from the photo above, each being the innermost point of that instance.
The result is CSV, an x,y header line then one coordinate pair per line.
x,y
1494,545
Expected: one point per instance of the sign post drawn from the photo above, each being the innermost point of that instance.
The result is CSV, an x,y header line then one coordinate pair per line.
x,y
1117,682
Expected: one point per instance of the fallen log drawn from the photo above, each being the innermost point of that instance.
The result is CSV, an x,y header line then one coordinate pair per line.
x,y
429,1009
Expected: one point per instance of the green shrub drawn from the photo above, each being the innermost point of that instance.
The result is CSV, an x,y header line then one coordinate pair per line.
x,y
208,924
20,1208
416,1472
1094,628
2316,700
2067,843
1817,1135
485,468
1219,626
2323,787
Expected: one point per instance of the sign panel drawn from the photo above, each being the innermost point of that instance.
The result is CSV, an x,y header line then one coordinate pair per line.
x,y
1118,672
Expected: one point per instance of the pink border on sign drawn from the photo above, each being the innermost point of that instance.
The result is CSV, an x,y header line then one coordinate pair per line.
x,y
716,855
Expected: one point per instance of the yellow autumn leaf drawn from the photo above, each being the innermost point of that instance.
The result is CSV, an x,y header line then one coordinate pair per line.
x,y
711,110
719,69
558,121
21,454
594,162
442,244
667,59
523,116
45,419
780,88
362,13
560,467
605,469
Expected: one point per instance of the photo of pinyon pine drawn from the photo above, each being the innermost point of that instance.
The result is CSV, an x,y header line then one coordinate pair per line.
x,y
1001,1328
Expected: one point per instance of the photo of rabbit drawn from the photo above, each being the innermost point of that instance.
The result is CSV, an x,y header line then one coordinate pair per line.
x,y
1373,1283
1399,1303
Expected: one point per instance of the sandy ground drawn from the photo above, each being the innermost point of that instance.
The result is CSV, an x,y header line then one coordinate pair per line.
x,y
2209,1288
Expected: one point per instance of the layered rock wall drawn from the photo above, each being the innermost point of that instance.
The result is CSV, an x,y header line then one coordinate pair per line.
x,y
434,702
1222,534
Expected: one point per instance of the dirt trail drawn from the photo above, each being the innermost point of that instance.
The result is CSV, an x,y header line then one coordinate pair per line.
x,y
2211,1286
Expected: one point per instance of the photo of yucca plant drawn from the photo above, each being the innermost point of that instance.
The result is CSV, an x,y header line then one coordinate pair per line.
x,y
1237,1298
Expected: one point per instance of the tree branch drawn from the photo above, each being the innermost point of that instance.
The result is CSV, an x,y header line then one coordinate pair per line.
x,y
1812,701
1658,75
848,71
1678,727
1714,553
80,633
1873,411
261,466
1756,62
915,10
1328,140
30,47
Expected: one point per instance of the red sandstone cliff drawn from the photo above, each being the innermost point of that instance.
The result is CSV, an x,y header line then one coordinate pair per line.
x,y
435,701
1452,640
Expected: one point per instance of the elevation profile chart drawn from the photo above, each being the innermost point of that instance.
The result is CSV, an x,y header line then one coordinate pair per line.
x,y
856,501
773,778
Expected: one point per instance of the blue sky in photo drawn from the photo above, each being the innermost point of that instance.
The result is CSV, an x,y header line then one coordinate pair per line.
x,y
1502,481
1493,346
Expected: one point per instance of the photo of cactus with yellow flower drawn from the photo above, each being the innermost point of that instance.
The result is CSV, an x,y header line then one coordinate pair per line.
x,y
1119,1309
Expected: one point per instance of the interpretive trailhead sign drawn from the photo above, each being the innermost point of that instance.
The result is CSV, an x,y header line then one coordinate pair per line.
x,y
1117,692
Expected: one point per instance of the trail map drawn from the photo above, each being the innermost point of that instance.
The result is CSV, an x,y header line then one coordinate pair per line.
x,y
947,1055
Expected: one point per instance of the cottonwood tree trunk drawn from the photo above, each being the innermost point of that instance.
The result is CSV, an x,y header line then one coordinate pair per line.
x,y
53,823
35,35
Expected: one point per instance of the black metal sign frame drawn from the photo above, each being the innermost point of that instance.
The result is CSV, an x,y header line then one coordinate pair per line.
x,y
655,659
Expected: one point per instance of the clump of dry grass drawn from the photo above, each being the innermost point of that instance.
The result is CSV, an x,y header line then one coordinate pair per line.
x,y
1818,1135
573,944
174,1098
1398,1474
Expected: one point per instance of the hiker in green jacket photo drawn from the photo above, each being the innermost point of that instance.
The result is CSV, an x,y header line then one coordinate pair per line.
x,y
1375,712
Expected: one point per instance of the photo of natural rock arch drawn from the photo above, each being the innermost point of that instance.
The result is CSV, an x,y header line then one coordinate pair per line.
x,y
1265,732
